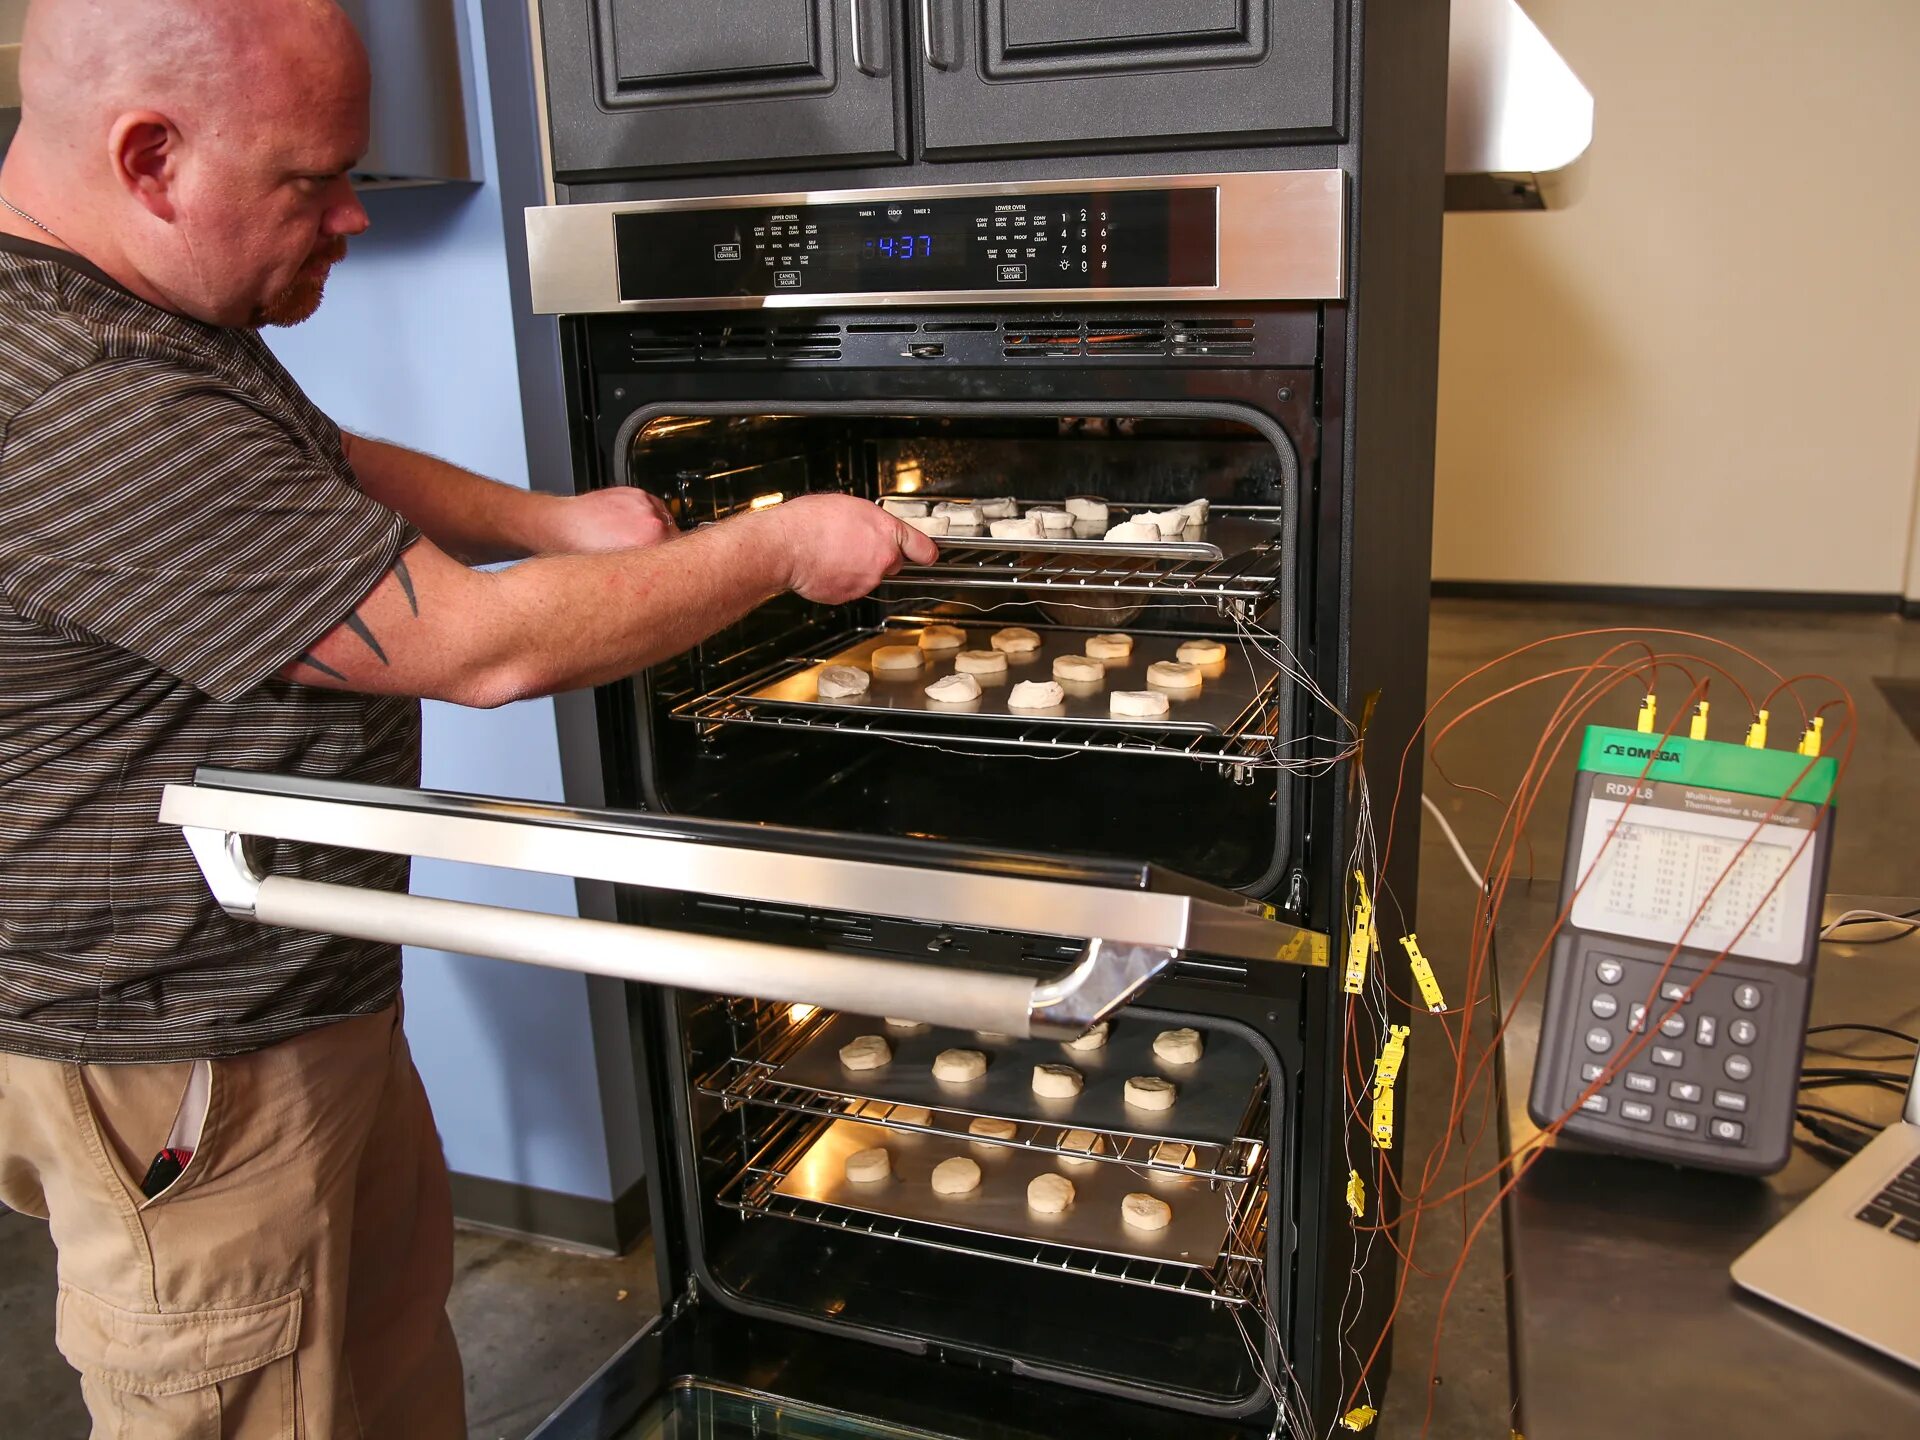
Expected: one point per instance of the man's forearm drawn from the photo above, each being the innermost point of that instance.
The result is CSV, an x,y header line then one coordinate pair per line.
x,y
474,519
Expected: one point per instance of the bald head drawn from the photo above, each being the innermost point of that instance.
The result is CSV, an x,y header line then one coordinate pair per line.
x,y
197,150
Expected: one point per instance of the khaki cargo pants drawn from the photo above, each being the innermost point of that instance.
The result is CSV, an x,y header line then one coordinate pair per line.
x,y
291,1282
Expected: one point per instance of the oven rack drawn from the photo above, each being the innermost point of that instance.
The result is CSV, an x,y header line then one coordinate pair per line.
x,y
740,1081
1235,1277
1243,582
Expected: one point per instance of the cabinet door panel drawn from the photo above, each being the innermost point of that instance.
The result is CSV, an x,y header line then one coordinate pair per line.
x,y
1066,76
646,86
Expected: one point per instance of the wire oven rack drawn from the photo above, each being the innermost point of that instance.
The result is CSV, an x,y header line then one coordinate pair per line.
x,y
1234,1278
1245,580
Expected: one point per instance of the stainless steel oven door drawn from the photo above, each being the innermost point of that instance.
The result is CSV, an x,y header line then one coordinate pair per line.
x,y
1134,920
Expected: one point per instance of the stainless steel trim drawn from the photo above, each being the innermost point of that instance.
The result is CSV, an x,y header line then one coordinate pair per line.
x,y
546,839
537,41
1282,237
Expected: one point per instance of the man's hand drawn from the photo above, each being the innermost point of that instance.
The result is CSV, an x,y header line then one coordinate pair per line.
x,y
838,547
623,518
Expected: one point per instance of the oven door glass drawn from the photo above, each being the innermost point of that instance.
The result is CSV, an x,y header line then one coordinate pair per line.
x,y
1131,922
702,1410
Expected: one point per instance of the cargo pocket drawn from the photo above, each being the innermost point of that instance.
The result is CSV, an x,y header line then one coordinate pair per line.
x,y
216,1374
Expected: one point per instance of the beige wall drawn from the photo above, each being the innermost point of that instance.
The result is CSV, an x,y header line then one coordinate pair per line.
x,y
1707,371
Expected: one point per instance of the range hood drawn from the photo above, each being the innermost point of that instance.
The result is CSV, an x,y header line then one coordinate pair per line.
x,y
1518,118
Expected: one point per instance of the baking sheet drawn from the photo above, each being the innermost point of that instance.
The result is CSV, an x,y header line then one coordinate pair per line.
x,y
1228,690
1221,538
1194,1237
1215,1093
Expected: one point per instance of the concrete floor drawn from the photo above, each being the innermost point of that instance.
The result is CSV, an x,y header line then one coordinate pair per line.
x,y
534,1322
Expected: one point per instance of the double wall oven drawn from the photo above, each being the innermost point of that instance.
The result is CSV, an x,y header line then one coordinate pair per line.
x,y
792,871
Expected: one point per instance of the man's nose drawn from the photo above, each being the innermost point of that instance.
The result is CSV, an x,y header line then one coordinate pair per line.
x,y
347,216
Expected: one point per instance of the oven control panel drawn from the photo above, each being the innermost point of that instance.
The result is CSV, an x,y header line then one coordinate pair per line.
x,y
1227,236
1072,240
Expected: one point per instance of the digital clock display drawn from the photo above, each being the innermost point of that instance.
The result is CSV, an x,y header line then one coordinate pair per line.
x,y
1072,240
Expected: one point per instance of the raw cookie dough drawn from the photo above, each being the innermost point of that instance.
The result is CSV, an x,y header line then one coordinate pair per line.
x,y
928,524
843,682
1057,1082
1015,529
1085,507
1083,669
991,1127
1015,640
1150,1092
1173,675
905,509
1110,647
1053,522
866,1052
1178,1047
1035,695
1078,1147
1135,532
894,1022
957,1067
897,657
998,509
1172,1152
1094,1039
954,689
1049,1194
958,1176
1201,652
980,662
942,637
1138,704
866,1166
1142,1212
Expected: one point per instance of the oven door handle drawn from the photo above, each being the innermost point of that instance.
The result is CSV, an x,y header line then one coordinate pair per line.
x,y
1105,979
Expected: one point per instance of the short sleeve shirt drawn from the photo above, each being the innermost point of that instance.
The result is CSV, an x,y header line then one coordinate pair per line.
x,y
178,524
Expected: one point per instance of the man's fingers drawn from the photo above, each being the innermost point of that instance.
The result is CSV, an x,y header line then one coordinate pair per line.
x,y
915,546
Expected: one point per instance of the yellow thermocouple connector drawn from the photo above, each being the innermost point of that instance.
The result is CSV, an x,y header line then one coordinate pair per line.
x,y
1358,1418
1359,940
1423,975
1356,1194
1810,742
1757,732
1697,727
1385,1071
1649,715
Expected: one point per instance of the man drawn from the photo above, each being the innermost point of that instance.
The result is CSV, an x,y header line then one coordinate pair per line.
x,y
222,1123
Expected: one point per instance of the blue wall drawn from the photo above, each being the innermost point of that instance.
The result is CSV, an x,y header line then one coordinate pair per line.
x,y
415,345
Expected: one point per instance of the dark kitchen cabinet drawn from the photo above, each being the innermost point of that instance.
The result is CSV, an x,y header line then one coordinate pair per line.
x,y
639,87
1074,76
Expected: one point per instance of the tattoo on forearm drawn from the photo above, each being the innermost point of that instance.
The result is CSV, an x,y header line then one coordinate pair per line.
x,y
318,664
406,583
365,632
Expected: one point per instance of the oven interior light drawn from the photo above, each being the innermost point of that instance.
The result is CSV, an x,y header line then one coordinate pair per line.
x,y
907,478
797,1013
766,502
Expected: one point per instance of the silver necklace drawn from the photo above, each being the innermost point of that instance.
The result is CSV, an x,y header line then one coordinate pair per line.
x,y
47,229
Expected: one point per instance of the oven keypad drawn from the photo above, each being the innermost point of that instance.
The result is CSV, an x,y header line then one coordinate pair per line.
x,y
1690,1077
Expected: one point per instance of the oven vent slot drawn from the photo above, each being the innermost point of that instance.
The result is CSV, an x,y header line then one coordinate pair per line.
x,y
819,926
895,328
1208,337
1194,970
661,342
961,327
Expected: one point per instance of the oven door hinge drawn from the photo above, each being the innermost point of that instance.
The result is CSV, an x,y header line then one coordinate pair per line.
x,y
688,1297
1297,893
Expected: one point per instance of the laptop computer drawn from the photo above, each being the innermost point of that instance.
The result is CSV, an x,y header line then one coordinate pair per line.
x,y
1849,1256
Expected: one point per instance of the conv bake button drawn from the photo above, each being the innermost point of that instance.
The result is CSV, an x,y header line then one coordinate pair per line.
x,y
1011,274
787,279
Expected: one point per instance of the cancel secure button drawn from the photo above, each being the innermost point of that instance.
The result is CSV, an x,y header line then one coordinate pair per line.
x,y
727,252
1012,274
786,279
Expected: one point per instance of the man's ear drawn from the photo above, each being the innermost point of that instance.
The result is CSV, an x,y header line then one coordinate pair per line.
x,y
143,147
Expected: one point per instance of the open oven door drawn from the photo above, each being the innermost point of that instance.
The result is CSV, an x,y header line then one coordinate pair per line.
x,y
701,1373
1134,920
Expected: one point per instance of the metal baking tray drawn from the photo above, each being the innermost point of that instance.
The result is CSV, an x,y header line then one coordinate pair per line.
x,y
1227,693
1221,538
1216,1094
1202,1214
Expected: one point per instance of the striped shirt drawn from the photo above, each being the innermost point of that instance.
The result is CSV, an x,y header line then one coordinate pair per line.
x,y
178,523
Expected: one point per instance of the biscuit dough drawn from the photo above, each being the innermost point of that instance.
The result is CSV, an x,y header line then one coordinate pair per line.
x,y
896,1023
991,1127
1035,695
957,1067
1173,675
998,509
1145,1212
1138,704
942,637
1110,647
1015,640
1172,524
1057,1082
927,524
1086,507
1201,652
897,657
910,1115
960,512
1014,529
1049,1194
957,1176
954,689
866,1166
904,509
843,682
980,662
1178,1047
1135,532
1082,669
866,1052
1150,1092
1078,1147
1172,1152
1052,522
1094,1039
